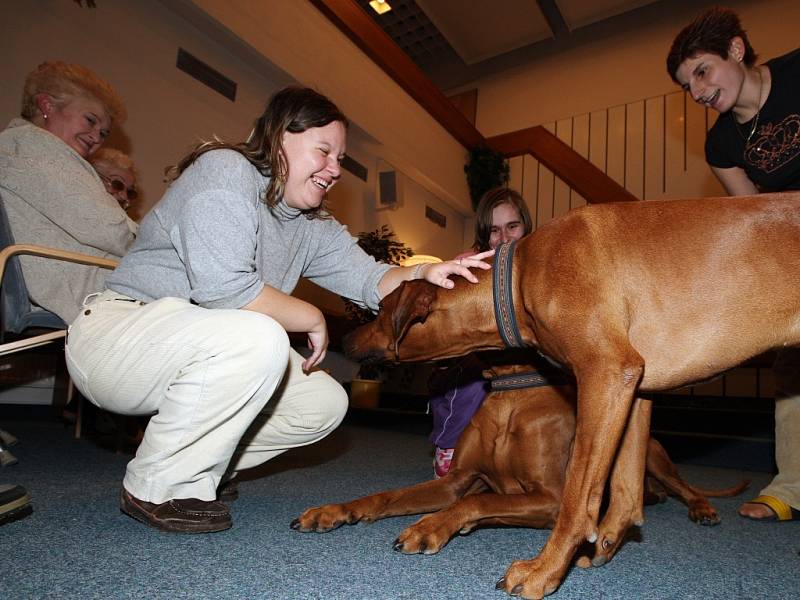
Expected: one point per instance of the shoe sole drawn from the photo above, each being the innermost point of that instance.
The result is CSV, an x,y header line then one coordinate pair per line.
x,y
16,514
7,439
140,515
15,504
229,497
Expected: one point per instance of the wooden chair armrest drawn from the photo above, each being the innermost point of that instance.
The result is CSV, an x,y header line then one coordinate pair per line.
x,y
43,251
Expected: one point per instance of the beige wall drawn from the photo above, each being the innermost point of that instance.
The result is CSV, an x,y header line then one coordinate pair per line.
x,y
610,98
623,65
299,38
353,202
134,46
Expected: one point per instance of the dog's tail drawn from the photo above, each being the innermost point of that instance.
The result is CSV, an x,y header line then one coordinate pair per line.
x,y
734,490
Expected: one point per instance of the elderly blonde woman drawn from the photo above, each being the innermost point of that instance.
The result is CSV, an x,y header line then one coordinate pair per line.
x,y
53,195
118,173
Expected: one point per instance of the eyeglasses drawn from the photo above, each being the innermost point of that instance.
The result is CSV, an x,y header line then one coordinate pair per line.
x,y
119,186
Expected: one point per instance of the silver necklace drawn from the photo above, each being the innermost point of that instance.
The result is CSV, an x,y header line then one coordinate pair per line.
x,y
758,113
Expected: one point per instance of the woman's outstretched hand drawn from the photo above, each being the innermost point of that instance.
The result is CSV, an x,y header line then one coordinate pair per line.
x,y
439,273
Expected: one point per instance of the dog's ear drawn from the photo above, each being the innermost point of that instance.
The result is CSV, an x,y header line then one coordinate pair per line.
x,y
413,305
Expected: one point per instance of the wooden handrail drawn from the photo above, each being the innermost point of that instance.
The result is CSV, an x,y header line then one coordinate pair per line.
x,y
578,173
365,33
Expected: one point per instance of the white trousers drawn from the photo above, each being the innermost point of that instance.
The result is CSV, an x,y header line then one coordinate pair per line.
x,y
786,484
225,390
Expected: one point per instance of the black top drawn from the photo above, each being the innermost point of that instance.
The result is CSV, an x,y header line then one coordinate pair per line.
x,y
772,158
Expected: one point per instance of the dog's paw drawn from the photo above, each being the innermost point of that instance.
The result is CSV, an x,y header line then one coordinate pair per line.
x,y
423,537
323,519
612,539
529,579
703,514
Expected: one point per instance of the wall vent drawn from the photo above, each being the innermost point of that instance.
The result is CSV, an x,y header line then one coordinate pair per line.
x,y
355,167
435,216
206,75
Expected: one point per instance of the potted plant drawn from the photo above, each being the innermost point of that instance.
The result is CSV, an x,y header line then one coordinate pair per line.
x,y
383,247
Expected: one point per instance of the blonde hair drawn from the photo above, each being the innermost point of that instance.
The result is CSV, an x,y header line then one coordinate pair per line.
x,y
64,81
112,157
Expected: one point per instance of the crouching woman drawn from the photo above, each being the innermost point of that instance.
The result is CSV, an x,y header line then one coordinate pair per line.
x,y
192,326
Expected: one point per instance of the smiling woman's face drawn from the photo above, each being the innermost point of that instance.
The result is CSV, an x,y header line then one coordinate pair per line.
x,y
313,158
711,80
83,124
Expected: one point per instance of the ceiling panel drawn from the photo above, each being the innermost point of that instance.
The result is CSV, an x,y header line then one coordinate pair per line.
x,y
456,42
578,13
413,31
481,30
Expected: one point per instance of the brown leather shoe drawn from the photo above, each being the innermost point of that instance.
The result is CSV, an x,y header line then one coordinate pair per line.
x,y
184,515
228,491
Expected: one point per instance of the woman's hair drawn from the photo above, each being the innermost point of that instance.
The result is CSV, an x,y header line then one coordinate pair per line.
x,y
64,81
491,200
294,109
711,32
112,157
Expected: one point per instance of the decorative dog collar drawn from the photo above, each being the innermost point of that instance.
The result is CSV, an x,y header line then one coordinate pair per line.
x,y
528,379
504,297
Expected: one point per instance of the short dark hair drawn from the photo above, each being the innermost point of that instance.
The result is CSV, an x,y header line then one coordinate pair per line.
x,y
711,32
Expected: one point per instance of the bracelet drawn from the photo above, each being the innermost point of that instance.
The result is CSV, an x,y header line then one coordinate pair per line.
x,y
415,275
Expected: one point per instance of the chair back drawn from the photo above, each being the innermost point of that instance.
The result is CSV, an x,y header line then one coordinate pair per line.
x,y
16,311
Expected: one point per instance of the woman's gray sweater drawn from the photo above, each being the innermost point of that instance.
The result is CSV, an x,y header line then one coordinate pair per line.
x,y
211,240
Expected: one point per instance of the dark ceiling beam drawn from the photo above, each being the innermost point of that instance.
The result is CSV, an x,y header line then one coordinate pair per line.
x,y
577,172
554,18
365,33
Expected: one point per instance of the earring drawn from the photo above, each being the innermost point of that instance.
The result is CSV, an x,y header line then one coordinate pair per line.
x,y
45,116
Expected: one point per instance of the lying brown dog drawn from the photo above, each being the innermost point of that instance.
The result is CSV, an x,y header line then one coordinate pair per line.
x,y
641,296
508,469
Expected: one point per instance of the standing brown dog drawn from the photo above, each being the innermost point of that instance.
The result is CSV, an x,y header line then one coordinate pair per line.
x,y
640,296
508,469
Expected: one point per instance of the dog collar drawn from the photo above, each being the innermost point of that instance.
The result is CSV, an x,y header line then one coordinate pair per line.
x,y
503,293
528,379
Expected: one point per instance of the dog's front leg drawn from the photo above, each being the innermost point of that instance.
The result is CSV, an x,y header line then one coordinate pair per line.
x,y
606,386
626,503
432,532
421,498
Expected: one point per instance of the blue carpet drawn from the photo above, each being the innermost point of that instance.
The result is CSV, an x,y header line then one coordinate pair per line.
x,y
77,544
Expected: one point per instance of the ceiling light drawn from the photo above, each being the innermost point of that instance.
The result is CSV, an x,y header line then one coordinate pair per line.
x,y
380,6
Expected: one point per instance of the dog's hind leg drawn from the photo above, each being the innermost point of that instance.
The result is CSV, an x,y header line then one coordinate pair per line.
x,y
663,470
607,382
626,503
421,498
432,532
